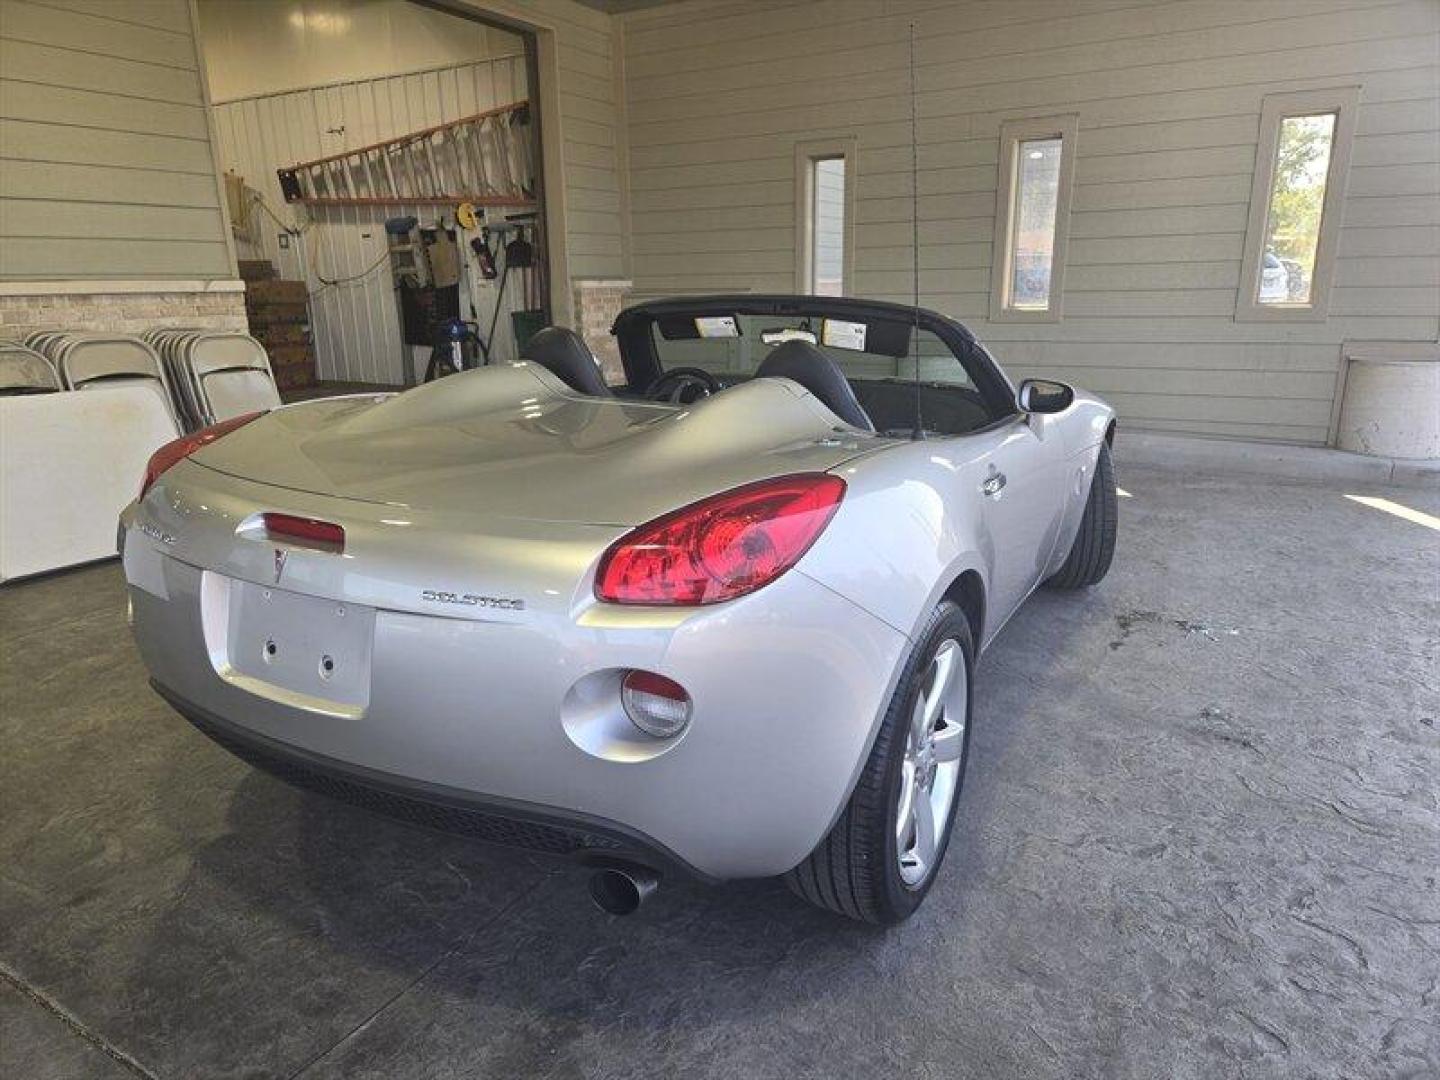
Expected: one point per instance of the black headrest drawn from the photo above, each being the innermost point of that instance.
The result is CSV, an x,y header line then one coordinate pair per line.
x,y
564,354
807,365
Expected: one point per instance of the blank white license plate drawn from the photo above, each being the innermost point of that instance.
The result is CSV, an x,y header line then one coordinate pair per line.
x,y
291,647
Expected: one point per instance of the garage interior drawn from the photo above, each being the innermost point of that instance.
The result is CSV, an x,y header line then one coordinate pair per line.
x,y
1200,827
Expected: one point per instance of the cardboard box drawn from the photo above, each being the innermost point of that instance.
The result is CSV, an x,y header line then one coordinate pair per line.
x,y
290,356
294,377
262,315
276,292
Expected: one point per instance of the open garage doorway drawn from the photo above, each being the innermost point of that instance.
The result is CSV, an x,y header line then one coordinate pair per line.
x,y
384,180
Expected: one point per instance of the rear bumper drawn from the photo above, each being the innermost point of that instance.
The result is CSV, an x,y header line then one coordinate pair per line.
x,y
504,713
491,820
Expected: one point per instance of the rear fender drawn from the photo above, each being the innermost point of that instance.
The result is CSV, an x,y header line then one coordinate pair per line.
x,y
902,537
906,530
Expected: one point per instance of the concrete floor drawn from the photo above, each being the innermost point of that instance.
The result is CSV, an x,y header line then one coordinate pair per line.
x,y
1200,838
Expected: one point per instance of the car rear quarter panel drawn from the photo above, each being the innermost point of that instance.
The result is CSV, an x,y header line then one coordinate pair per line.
x,y
905,531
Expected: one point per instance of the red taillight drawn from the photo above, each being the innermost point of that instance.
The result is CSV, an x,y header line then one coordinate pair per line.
x,y
303,530
176,451
722,547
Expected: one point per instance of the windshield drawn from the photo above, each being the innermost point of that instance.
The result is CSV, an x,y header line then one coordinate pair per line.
x,y
879,366
740,342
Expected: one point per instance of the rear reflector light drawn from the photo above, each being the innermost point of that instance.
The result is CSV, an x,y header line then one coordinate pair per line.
x,y
287,527
656,705
172,453
721,547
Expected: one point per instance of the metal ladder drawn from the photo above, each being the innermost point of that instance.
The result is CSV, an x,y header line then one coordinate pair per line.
x,y
485,159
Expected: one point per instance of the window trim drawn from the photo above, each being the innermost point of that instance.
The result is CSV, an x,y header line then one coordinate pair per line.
x,y
807,153
1344,102
1066,128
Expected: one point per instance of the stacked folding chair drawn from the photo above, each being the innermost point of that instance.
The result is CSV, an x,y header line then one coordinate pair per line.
x,y
25,371
164,342
215,374
90,361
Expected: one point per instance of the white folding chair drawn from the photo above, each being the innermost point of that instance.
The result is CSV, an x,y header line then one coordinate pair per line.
x,y
95,361
230,373
25,371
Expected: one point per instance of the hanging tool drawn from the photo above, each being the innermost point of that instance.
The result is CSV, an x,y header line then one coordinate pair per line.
x,y
470,219
521,255
499,297
484,256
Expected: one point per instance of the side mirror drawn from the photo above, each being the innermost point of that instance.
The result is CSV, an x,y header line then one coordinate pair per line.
x,y
1044,396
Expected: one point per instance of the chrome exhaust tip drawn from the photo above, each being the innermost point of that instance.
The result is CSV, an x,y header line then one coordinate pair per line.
x,y
620,890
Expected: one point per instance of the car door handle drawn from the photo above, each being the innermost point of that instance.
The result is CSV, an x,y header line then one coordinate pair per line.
x,y
994,484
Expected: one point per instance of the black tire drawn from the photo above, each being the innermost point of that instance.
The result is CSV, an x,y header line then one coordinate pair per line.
x,y
1094,546
855,871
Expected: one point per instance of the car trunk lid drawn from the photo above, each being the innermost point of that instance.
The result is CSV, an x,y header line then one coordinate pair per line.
x,y
512,442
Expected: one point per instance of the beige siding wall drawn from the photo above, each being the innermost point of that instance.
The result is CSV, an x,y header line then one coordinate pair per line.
x,y
591,123
1169,97
106,168
587,58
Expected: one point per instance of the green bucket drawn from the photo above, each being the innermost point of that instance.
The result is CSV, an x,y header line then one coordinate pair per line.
x,y
526,324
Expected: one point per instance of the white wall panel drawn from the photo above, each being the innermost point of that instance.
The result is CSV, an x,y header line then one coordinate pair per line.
x,y
356,327
268,46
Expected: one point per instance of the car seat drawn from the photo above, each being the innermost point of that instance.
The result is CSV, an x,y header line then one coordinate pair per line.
x,y
564,354
805,364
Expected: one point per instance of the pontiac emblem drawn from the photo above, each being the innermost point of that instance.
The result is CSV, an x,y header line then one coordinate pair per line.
x,y
280,557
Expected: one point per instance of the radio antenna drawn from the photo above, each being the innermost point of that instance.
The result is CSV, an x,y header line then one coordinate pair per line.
x,y
919,431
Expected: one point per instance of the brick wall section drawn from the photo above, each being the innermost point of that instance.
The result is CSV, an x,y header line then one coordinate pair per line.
x,y
596,305
125,313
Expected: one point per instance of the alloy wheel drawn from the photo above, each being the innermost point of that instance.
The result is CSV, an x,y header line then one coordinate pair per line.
x,y
930,772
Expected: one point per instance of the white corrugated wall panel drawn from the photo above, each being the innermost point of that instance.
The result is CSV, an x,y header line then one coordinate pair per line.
x,y
356,325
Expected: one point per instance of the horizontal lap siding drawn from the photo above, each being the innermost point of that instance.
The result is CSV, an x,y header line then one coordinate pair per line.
x,y
590,134
106,168
1169,99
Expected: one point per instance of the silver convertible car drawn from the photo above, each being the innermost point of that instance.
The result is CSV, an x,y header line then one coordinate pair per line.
x,y
721,620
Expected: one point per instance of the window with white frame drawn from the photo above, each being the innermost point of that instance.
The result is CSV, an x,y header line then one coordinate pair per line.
x,y
1032,218
1301,165
824,202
